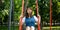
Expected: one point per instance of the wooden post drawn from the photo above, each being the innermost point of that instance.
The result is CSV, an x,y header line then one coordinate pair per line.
x,y
50,14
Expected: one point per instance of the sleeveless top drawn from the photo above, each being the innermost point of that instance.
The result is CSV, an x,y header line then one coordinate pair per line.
x,y
30,21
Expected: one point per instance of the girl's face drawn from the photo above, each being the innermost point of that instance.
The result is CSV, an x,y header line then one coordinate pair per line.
x,y
29,11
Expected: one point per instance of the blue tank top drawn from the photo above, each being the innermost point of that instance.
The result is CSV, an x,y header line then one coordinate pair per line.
x,y
30,21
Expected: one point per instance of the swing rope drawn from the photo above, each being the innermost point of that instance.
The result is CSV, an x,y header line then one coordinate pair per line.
x,y
37,14
20,22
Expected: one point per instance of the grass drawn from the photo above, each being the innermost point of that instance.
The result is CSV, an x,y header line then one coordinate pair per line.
x,y
53,28
6,28
16,28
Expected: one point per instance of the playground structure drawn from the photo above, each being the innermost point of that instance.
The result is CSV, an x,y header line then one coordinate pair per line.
x,y
20,26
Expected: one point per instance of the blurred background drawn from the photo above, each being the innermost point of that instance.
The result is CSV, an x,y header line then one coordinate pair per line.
x,y
10,15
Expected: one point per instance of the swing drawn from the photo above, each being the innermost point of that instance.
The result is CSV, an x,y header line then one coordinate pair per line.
x,y
20,27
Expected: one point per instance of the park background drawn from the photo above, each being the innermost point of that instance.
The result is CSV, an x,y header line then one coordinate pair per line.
x,y
44,11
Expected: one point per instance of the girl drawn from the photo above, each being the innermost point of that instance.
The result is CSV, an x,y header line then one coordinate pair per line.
x,y
29,19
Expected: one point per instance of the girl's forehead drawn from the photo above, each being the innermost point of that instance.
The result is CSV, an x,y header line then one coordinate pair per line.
x,y
29,9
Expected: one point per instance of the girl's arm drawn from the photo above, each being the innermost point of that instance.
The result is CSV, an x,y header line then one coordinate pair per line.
x,y
36,18
23,18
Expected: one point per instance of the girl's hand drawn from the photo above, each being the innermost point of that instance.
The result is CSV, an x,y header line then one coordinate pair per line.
x,y
21,15
38,15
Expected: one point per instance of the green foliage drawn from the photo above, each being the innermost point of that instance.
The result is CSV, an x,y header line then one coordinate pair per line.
x,y
17,9
43,5
4,9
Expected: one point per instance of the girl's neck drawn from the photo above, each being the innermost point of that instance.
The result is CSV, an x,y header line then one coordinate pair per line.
x,y
28,14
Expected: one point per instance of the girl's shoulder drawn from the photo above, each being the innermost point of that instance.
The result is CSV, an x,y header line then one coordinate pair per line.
x,y
24,17
36,19
34,16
